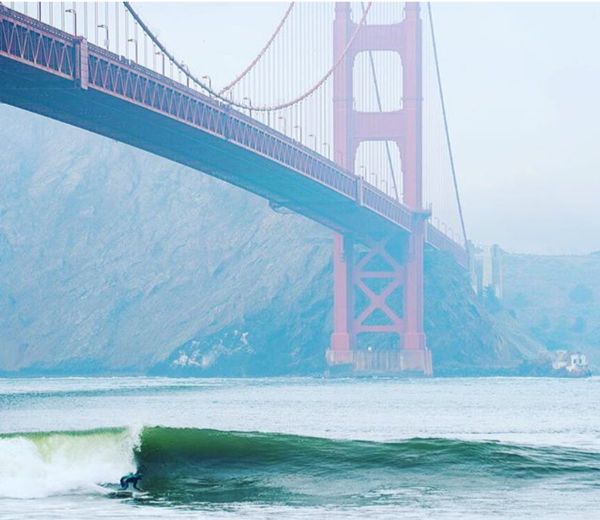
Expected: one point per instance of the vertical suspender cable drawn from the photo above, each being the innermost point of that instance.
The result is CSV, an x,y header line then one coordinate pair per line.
x,y
117,5
439,81
380,108
85,20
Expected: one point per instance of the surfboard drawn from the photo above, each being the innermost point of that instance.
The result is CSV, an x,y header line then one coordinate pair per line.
x,y
127,493
122,493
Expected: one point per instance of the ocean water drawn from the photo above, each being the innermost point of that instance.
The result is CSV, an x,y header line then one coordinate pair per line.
x,y
473,448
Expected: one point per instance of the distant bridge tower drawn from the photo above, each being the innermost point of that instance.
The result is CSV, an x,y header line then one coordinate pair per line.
x,y
378,292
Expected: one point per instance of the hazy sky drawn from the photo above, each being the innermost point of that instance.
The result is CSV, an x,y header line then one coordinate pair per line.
x,y
522,86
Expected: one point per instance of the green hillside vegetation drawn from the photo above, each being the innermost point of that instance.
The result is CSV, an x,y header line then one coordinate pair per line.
x,y
556,299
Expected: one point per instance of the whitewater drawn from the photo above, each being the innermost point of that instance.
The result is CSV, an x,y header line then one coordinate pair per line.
x,y
468,448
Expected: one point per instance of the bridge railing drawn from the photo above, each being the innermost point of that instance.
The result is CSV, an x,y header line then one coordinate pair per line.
x,y
43,46
121,77
439,240
32,42
51,49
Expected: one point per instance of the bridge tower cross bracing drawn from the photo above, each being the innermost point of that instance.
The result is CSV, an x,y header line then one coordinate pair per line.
x,y
403,254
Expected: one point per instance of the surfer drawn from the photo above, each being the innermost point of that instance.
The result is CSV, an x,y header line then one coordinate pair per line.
x,y
131,478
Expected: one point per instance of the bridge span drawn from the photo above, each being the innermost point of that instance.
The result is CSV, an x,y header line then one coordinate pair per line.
x,y
64,76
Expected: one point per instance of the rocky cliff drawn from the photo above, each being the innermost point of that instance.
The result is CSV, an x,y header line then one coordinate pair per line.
x,y
115,261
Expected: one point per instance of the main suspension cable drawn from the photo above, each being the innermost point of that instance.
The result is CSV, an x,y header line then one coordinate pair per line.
x,y
261,53
237,104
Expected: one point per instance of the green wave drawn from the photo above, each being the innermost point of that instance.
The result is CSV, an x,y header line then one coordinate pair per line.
x,y
272,452
207,466
186,466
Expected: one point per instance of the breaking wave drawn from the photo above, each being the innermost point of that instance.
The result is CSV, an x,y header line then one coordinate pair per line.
x,y
193,466
35,465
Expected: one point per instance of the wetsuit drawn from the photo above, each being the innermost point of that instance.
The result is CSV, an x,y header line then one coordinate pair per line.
x,y
132,478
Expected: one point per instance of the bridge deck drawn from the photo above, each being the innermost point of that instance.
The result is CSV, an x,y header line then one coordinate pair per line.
x,y
55,74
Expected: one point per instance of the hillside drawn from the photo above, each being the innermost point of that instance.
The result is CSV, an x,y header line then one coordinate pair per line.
x,y
557,300
116,261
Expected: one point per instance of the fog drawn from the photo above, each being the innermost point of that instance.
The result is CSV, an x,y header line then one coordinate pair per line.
x,y
520,81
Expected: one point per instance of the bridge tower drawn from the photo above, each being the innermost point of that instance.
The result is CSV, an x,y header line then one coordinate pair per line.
x,y
394,308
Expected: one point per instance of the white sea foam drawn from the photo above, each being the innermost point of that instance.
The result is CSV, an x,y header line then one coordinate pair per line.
x,y
41,465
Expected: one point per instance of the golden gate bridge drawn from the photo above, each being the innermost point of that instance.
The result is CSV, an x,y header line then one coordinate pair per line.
x,y
339,116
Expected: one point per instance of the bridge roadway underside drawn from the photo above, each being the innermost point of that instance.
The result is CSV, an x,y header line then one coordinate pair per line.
x,y
44,93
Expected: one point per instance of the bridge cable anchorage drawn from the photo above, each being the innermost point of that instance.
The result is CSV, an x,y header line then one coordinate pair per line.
x,y
261,53
237,104
439,82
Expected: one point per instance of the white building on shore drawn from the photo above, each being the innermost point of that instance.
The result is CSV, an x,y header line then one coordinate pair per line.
x,y
572,363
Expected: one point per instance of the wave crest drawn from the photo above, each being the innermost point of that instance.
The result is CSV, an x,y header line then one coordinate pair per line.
x,y
194,466
37,465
